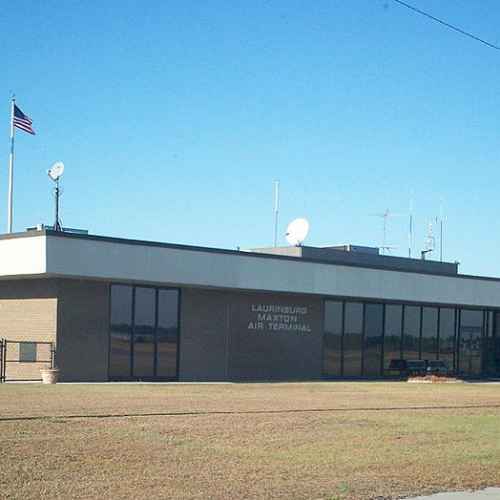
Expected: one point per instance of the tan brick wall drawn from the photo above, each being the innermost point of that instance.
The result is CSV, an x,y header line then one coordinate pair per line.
x,y
28,319
28,312
34,310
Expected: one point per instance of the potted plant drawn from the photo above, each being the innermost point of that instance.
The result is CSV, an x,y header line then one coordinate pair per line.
x,y
50,375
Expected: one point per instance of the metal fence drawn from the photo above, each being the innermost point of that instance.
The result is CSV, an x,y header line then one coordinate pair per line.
x,y
3,347
22,360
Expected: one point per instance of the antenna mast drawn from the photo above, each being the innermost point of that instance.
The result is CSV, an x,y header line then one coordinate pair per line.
x,y
441,230
57,193
385,215
429,243
410,231
55,173
276,210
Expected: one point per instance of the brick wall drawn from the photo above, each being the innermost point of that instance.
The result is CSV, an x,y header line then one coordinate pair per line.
x,y
82,339
223,335
227,336
275,337
28,312
34,310
204,335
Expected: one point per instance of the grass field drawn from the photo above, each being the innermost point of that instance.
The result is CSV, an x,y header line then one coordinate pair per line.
x,y
332,440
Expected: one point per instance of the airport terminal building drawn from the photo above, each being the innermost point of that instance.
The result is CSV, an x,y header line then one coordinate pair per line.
x,y
118,309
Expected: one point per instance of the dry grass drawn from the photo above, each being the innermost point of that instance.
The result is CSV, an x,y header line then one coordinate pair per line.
x,y
313,440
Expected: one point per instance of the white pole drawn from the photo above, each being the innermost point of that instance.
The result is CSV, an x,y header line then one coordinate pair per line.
x,y
441,230
410,231
384,245
11,169
276,210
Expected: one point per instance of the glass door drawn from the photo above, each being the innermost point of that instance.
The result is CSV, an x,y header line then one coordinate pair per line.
x,y
120,334
144,333
469,353
143,346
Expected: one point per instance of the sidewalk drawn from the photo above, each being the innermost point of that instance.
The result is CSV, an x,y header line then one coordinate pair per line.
x,y
487,494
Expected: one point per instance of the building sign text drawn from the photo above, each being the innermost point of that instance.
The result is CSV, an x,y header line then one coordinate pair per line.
x,y
279,318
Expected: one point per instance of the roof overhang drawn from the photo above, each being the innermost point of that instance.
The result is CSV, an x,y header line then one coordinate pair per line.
x,y
49,254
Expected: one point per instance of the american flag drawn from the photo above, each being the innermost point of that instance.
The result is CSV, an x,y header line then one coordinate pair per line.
x,y
22,121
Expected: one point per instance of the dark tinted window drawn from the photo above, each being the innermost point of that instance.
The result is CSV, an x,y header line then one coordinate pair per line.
x,y
489,346
120,354
469,355
144,330
120,331
496,344
167,333
429,347
332,350
392,334
144,318
121,310
374,323
495,367
144,355
353,338
447,336
411,333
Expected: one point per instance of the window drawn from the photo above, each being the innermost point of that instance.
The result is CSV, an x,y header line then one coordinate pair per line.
x,y
121,311
373,338
332,347
469,344
447,336
411,332
27,352
489,347
429,345
392,333
353,339
120,331
167,333
495,367
143,332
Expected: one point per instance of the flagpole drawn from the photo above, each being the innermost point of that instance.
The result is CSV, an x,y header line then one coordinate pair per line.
x,y
11,168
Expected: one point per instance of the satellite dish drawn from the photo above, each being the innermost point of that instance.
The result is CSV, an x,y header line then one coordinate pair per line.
x,y
296,232
56,170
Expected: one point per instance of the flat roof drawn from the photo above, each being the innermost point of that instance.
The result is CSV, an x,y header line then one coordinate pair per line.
x,y
323,255
51,254
340,255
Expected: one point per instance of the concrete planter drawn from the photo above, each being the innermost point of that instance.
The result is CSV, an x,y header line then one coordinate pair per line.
x,y
50,375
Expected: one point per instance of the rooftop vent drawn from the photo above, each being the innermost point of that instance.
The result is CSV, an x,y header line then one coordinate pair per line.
x,y
41,227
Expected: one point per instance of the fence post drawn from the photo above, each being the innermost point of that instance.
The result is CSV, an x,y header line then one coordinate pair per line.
x,y
52,355
3,363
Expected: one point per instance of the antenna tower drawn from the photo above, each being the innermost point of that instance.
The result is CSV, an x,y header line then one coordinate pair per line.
x,y
276,210
410,228
55,173
430,242
385,216
441,228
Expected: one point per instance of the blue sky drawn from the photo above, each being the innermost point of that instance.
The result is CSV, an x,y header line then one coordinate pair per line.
x,y
174,118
